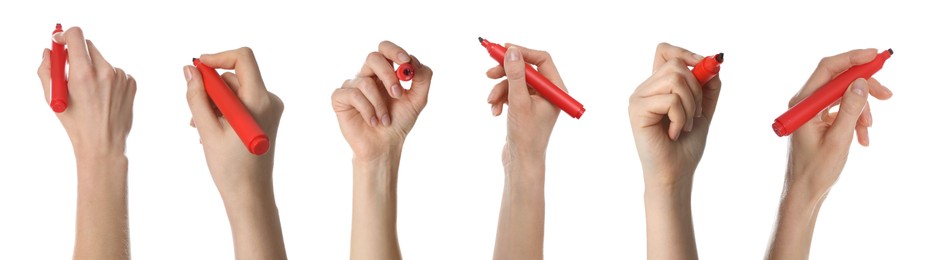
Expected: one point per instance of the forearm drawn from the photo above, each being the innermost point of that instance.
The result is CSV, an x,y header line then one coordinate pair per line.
x,y
102,214
256,226
669,224
520,229
374,208
795,222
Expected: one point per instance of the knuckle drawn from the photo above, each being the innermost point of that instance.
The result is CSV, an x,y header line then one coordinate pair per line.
x,y
246,52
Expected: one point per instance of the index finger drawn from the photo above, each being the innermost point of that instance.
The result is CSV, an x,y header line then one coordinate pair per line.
x,y
243,61
78,57
542,60
393,52
665,52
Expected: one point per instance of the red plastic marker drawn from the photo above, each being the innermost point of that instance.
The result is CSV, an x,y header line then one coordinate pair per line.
x,y
59,89
545,87
405,72
802,112
707,68
233,110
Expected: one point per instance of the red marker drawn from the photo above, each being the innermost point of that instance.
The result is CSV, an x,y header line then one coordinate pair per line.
x,y
405,72
545,87
233,110
802,112
59,89
707,68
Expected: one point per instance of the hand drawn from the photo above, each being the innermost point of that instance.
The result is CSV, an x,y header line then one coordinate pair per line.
x,y
374,112
230,163
98,121
670,114
100,117
819,148
818,151
530,119
243,179
375,115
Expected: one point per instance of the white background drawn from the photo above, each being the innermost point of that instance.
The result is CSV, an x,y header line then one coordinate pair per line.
x,y
451,176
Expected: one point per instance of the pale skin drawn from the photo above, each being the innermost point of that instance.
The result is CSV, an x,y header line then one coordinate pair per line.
x,y
97,121
375,115
670,115
244,180
530,120
818,152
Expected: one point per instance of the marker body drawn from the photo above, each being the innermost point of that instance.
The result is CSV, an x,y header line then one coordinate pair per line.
x,y
233,110
809,107
58,99
405,72
707,68
542,85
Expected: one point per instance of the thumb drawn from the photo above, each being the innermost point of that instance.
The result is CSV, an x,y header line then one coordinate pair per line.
x,y
515,69
853,102
201,109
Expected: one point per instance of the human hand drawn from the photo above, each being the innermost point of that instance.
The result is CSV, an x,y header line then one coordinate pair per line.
x,y
819,148
231,165
101,97
530,117
670,114
244,180
375,113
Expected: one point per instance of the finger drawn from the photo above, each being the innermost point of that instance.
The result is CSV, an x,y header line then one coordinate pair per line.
x,y
677,79
862,133
422,81
496,72
200,107
829,67
346,99
377,65
658,107
878,90
243,61
830,118
394,52
192,123
78,58
498,97
373,93
99,62
711,97
518,95
665,52
45,73
853,102
865,118
232,81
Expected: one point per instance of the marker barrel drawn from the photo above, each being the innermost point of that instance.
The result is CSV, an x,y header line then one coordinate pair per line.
x,y
812,105
542,85
59,90
233,110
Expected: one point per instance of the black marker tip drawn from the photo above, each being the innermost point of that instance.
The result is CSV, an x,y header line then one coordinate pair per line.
x,y
480,39
891,51
193,59
719,57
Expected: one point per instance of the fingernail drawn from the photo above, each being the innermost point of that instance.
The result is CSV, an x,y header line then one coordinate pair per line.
x,y
489,96
397,90
187,73
403,58
698,56
512,54
699,112
57,36
373,121
859,87
689,126
493,109
385,119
